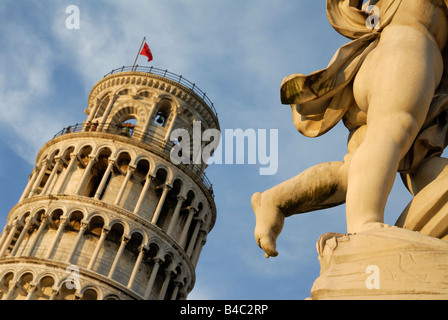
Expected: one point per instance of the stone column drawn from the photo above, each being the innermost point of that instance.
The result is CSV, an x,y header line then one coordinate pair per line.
x,y
22,235
112,100
46,189
42,226
183,292
194,237
152,278
143,248
30,184
124,242
81,231
11,290
4,236
170,128
145,189
54,293
33,287
61,228
197,251
170,272
177,285
11,235
36,184
173,222
85,174
183,236
94,110
106,175
67,172
98,247
148,119
124,184
160,204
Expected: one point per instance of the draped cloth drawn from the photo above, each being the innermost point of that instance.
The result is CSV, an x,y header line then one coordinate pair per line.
x,y
330,89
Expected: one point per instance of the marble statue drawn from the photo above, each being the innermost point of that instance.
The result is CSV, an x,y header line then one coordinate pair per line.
x,y
389,87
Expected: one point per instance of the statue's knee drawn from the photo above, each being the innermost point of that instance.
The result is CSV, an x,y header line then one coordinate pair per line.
x,y
401,128
407,128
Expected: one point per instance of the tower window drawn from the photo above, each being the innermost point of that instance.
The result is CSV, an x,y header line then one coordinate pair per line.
x,y
163,113
127,127
161,118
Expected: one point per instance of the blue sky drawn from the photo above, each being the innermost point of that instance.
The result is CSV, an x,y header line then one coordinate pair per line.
x,y
237,52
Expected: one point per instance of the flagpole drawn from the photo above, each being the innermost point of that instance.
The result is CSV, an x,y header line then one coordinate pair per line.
x,y
138,53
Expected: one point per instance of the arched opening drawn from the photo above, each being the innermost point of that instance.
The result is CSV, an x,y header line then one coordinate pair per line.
x,y
96,225
127,127
160,178
142,170
74,223
4,283
55,218
83,156
52,224
125,120
163,113
24,286
77,173
44,289
98,171
134,244
116,179
187,203
90,294
123,161
116,233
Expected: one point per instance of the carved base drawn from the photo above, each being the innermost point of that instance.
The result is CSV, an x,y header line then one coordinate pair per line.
x,y
387,263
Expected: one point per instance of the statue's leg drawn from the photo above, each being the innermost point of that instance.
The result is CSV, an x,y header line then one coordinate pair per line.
x,y
395,87
321,186
316,188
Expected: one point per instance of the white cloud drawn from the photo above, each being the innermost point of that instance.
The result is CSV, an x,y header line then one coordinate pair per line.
x,y
25,80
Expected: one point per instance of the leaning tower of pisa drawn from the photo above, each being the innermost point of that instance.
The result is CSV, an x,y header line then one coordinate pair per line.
x,y
106,214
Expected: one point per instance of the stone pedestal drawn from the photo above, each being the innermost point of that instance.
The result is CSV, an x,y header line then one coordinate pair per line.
x,y
384,263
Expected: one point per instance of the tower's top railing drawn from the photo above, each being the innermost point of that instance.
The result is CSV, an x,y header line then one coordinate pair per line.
x,y
170,76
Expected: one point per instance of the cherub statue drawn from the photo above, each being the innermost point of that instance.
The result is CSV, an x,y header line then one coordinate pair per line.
x,y
389,87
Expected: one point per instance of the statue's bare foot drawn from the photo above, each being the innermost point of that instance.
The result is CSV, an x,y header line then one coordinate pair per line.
x,y
269,224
